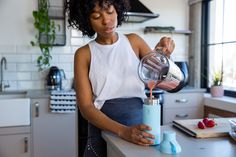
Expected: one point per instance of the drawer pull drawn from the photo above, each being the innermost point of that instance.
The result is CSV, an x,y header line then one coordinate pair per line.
x,y
181,100
36,109
181,115
26,144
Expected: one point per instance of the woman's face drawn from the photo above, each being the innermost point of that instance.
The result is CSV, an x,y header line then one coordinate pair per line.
x,y
104,20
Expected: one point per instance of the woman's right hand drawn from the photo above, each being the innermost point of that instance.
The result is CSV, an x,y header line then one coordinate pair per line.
x,y
167,45
137,134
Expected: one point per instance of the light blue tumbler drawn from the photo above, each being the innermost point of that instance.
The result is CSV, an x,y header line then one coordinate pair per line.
x,y
152,117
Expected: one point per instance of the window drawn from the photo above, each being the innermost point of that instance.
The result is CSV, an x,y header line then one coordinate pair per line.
x,y
221,45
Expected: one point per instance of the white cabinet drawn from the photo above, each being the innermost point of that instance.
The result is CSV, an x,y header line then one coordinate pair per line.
x,y
15,142
182,105
54,134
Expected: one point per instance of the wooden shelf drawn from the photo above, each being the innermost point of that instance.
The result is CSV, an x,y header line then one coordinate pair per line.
x,y
166,30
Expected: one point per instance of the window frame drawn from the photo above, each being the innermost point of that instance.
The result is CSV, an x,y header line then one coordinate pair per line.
x,y
204,48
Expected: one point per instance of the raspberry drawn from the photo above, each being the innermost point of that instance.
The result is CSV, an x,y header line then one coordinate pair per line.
x,y
201,125
210,123
205,120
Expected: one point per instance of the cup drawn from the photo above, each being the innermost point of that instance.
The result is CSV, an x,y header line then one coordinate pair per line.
x,y
169,145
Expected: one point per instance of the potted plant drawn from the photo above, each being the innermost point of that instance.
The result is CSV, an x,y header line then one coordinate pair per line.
x,y
45,36
217,87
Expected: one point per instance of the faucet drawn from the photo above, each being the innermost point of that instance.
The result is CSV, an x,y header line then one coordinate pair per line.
x,y
2,85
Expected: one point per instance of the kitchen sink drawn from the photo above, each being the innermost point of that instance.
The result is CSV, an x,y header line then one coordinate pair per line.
x,y
14,109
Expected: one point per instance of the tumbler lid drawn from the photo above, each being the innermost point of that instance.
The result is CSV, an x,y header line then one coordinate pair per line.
x,y
169,135
151,101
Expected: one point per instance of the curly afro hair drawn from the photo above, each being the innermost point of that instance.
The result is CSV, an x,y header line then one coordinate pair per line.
x,y
80,10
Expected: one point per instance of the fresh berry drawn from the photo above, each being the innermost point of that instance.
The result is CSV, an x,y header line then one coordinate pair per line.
x,y
201,125
210,123
205,120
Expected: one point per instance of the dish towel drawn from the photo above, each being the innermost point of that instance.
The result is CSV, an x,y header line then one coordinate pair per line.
x,y
63,101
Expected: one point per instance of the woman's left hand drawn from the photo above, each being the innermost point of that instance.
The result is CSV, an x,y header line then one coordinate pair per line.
x,y
137,134
167,45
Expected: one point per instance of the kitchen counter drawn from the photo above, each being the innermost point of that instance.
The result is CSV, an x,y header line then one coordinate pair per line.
x,y
25,94
38,94
191,147
189,89
46,93
32,94
223,103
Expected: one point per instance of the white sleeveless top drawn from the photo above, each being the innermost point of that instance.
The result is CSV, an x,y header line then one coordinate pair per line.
x,y
114,71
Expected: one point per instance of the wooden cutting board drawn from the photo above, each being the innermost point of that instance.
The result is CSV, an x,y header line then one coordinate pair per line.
x,y
190,126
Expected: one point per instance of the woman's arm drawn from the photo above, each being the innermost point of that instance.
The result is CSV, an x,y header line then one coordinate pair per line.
x,y
141,48
96,117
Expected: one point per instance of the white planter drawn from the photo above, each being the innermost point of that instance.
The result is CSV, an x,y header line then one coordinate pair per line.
x,y
217,91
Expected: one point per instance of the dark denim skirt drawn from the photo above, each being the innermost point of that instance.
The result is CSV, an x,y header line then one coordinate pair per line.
x,y
127,111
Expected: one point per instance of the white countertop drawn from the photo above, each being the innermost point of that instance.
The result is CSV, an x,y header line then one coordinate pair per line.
x,y
223,103
189,89
191,147
43,93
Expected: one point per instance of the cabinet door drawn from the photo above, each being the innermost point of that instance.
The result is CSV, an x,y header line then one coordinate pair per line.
x,y
54,134
16,145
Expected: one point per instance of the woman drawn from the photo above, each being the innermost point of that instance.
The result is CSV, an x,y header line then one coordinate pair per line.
x,y
108,89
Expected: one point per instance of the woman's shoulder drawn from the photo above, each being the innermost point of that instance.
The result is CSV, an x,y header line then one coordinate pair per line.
x,y
84,50
135,39
132,36
83,53
138,44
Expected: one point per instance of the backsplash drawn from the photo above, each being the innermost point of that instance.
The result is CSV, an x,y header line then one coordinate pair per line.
x,y
22,72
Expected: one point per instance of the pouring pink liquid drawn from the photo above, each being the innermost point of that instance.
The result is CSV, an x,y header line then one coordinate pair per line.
x,y
151,84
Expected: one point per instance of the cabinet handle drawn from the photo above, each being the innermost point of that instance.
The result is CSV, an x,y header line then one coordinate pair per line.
x,y
181,115
26,144
36,109
181,100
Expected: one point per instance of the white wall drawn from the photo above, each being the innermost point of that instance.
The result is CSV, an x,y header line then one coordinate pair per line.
x,y
16,32
172,13
16,23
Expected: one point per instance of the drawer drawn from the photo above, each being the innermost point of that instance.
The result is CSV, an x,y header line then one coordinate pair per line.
x,y
171,114
182,100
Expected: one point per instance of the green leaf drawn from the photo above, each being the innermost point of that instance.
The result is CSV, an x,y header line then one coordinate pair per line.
x,y
46,27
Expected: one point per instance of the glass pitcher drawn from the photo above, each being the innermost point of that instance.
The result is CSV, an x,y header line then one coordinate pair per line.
x,y
155,66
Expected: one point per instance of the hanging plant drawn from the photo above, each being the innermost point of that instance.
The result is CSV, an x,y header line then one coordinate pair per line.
x,y
46,34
